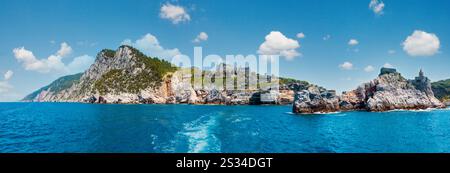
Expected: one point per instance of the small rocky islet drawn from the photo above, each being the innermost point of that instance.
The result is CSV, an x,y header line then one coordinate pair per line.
x,y
127,76
389,91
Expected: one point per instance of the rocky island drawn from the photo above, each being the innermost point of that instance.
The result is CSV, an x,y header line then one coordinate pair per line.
x,y
389,91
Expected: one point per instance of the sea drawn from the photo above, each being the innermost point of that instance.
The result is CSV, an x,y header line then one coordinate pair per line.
x,y
121,128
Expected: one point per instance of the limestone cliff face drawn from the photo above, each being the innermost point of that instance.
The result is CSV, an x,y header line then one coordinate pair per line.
x,y
121,76
388,91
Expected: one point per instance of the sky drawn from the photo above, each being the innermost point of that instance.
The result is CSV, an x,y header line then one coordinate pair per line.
x,y
334,44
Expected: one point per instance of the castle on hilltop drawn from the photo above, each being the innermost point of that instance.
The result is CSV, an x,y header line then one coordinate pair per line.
x,y
422,83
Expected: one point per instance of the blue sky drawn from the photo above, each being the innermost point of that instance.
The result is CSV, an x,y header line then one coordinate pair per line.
x,y
232,27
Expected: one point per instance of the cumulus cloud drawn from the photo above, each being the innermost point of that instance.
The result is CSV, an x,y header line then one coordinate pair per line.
x,y
301,35
387,65
277,44
376,6
30,62
346,66
369,68
174,13
421,43
64,50
5,87
87,43
353,42
202,36
149,45
8,74
53,63
326,37
79,64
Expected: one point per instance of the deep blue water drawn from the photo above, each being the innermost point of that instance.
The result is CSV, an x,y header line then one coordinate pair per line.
x,y
70,127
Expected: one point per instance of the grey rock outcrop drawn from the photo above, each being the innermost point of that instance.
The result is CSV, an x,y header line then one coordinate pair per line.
x,y
315,100
388,91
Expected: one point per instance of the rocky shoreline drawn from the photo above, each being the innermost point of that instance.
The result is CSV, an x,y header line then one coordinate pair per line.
x,y
389,91
126,76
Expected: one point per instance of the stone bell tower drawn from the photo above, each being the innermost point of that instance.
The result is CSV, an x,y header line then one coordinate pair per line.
x,y
422,83
421,73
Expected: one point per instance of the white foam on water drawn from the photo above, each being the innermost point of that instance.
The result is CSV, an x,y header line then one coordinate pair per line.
x,y
417,110
254,133
237,120
326,113
338,114
168,148
154,138
318,113
200,135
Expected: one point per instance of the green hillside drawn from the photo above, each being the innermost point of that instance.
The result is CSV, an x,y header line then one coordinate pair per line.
x,y
121,80
441,89
58,85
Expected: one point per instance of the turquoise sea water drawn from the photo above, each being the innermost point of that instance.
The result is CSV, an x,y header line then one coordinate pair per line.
x,y
72,127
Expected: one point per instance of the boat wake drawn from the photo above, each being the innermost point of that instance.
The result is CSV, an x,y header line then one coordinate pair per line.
x,y
200,135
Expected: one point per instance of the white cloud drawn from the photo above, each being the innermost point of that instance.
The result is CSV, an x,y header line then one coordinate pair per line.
x,y
346,66
5,87
353,42
30,62
369,69
301,35
277,44
87,43
387,65
79,64
421,43
391,52
64,50
149,45
326,37
53,63
127,42
202,36
8,74
174,13
376,6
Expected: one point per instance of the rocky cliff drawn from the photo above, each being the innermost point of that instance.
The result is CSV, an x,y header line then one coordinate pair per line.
x,y
116,76
128,76
388,91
